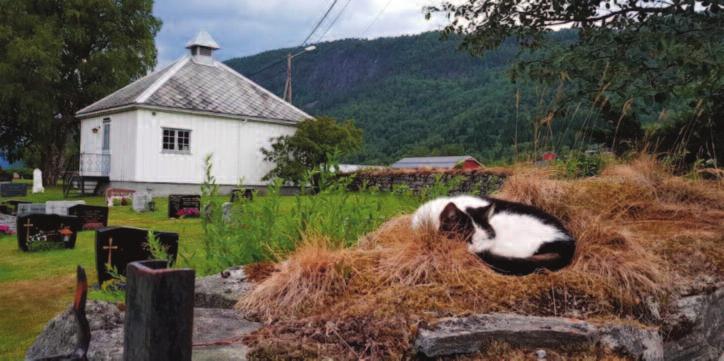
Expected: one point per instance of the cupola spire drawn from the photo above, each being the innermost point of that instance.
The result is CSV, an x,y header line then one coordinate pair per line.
x,y
202,46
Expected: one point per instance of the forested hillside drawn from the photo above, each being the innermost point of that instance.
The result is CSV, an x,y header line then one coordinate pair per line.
x,y
412,95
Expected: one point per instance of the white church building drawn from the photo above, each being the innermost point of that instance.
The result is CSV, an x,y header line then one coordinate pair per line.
x,y
155,132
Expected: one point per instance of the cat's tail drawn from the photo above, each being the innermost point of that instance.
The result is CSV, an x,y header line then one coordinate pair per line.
x,y
551,256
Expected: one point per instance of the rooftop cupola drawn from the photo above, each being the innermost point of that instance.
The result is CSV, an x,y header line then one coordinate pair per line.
x,y
202,46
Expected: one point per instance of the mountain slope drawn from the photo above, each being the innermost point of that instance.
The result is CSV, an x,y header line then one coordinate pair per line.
x,y
412,95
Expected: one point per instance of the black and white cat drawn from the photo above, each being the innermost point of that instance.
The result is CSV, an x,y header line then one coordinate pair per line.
x,y
513,238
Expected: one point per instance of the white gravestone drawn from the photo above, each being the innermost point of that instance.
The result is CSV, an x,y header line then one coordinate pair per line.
x,y
141,201
60,207
38,181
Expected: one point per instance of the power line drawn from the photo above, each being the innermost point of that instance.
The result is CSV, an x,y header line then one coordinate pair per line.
x,y
364,33
316,27
267,67
319,22
377,17
334,21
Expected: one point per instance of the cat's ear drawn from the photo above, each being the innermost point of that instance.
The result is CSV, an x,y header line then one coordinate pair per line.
x,y
450,213
452,218
482,214
489,210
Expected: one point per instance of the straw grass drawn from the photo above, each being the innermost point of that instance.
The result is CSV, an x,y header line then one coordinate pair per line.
x,y
643,235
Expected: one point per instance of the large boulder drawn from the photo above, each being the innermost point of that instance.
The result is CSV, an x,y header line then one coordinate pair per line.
x,y
217,334
221,290
59,335
695,330
462,335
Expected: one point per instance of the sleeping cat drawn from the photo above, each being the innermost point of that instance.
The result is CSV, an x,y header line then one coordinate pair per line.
x,y
513,238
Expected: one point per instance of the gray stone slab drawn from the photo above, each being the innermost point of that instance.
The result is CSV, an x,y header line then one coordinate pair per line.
x,y
60,207
463,335
221,290
10,221
28,208
217,334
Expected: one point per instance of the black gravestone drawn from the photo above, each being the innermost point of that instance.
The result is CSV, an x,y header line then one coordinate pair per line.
x,y
16,204
13,189
91,217
6,209
237,194
119,246
184,205
43,231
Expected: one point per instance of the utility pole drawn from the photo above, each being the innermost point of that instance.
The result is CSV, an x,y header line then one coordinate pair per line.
x,y
288,84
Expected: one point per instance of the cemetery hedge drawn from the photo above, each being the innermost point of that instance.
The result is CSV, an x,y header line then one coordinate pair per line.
x,y
34,287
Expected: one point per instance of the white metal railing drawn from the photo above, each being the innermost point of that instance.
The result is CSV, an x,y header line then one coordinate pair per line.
x,y
95,164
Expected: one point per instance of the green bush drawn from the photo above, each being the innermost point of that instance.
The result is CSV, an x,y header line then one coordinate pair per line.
x,y
577,164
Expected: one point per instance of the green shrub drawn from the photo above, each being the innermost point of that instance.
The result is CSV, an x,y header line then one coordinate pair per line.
x,y
577,164
260,229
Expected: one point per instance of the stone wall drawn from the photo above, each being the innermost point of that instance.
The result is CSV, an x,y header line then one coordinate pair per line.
x,y
480,182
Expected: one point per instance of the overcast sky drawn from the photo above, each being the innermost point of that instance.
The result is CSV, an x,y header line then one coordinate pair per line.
x,y
247,27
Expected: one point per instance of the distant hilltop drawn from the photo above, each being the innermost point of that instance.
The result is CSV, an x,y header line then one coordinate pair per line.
x,y
412,95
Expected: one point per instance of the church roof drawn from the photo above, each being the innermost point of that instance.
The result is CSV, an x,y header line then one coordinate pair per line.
x,y
193,85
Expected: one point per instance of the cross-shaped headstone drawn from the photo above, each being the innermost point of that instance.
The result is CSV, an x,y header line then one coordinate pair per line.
x,y
110,247
27,226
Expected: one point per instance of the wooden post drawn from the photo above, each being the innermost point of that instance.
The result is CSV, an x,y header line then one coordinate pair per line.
x,y
160,313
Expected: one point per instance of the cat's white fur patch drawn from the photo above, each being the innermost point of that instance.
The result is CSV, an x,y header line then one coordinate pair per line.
x,y
428,215
516,235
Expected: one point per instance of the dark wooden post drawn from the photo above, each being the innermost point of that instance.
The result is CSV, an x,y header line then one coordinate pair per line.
x,y
160,313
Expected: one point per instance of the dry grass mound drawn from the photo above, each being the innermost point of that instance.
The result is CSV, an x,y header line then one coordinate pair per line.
x,y
642,236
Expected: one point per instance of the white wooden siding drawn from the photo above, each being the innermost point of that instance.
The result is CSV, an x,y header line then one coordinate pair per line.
x,y
123,142
235,145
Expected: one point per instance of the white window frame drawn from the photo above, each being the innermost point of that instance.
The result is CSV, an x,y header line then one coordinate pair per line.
x,y
106,135
174,140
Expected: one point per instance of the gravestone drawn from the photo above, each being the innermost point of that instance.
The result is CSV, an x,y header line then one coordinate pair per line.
x,y
91,217
38,181
43,231
226,210
7,224
142,202
184,205
30,208
60,207
16,204
119,246
13,189
5,177
238,193
6,209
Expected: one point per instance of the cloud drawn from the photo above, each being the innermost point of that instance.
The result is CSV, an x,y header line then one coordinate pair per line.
x,y
247,27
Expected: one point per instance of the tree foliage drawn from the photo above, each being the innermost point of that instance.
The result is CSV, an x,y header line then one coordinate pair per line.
x,y
636,61
57,56
314,142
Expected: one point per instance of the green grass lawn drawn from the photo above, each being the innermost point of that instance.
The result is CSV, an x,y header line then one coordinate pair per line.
x,y
34,287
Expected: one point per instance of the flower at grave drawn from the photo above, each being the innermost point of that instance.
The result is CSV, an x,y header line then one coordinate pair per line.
x,y
4,228
188,212
92,226
66,233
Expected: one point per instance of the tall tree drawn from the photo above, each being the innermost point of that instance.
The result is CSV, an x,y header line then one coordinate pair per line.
x,y
311,146
57,56
634,60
